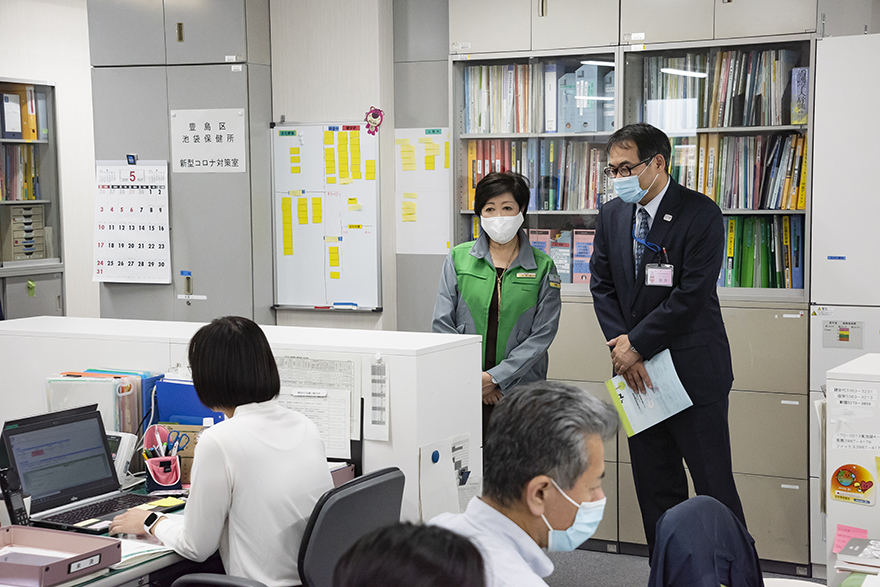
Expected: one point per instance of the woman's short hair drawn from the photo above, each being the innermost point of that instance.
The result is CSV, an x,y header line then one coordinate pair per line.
x,y
498,183
232,364
406,555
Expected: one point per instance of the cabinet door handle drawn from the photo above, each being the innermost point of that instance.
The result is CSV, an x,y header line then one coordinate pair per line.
x,y
58,297
180,32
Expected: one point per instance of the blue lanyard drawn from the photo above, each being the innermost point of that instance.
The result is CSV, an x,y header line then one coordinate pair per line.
x,y
652,246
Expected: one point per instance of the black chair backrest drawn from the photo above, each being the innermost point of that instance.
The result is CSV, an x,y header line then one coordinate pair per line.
x,y
342,516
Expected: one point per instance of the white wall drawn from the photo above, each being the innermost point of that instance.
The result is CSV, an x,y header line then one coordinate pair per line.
x,y
48,40
331,61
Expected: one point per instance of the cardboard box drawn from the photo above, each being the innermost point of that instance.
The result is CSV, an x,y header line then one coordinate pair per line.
x,y
185,469
192,431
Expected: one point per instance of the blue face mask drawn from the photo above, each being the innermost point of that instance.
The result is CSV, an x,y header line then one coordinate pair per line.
x,y
628,188
586,521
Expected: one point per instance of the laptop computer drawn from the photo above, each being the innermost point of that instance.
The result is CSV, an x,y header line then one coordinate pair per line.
x,y
65,465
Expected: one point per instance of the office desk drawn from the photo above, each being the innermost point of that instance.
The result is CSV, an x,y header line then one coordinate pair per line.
x,y
434,379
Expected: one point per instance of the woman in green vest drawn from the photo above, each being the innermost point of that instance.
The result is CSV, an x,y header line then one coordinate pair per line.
x,y
502,288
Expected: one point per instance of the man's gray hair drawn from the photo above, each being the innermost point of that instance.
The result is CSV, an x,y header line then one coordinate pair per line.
x,y
540,429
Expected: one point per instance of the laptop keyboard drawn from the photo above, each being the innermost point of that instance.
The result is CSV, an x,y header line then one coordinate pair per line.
x,y
101,508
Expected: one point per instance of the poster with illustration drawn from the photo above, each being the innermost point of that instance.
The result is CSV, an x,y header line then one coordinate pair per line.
x,y
853,484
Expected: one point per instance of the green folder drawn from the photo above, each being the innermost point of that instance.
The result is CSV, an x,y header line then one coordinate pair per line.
x,y
748,253
765,252
737,251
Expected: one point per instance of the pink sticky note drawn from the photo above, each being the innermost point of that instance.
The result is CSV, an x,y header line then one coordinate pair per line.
x,y
844,533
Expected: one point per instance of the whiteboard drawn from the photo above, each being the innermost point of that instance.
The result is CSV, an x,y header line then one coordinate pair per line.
x,y
326,216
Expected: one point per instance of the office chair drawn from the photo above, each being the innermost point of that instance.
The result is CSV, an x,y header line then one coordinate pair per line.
x,y
700,543
214,580
342,516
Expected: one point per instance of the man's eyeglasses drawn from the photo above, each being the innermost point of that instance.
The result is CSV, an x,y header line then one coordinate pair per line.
x,y
623,170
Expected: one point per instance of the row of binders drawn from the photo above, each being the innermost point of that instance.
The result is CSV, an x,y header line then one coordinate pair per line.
x,y
764,251
726,89
762,172
564,174
538,97
19,173
23,113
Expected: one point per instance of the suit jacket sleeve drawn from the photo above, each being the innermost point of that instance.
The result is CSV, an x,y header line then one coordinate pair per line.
x,y
699,277
605,299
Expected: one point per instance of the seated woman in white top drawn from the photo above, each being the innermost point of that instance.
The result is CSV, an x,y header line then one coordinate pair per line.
x,y
256,476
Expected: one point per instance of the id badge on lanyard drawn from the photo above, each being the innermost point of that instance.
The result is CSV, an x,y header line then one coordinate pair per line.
x,y
660,274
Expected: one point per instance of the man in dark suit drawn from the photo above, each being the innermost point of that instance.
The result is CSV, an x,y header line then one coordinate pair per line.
x,y
652,224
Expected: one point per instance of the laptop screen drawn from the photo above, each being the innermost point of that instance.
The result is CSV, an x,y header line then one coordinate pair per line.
x,y
62,461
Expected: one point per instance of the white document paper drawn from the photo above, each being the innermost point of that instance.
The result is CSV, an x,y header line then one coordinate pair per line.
x,y
467,492
640,411
331,414
377,401
140,548
12,112
438,485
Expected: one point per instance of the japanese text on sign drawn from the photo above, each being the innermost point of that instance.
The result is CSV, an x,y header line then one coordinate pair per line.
x,y
208,141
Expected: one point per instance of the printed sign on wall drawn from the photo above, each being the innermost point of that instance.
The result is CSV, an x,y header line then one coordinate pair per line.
x,y
208,141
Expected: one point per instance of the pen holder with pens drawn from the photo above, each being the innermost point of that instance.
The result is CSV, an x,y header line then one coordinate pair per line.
x,y
163,473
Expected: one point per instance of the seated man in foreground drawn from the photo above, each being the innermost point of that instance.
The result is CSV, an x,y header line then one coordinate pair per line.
x,y
542,481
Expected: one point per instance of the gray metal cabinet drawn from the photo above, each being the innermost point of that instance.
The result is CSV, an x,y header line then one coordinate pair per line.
x,y
631,530
752,18
126,33
776,515
33,295
769,349
759,421
131,116
220,32
210,212
561,24
657,21
489,26
607,529
578,352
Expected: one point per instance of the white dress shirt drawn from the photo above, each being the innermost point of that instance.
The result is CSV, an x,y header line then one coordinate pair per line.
x,y
255,479
511,557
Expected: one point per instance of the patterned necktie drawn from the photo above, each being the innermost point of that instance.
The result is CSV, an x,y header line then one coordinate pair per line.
x,y
641,233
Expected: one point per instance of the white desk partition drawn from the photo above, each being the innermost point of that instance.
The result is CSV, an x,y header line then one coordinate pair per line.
x,y
434,379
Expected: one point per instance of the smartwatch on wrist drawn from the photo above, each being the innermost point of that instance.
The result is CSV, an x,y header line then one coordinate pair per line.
x,y
151,521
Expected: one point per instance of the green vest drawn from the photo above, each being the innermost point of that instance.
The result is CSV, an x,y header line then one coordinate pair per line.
x,y
519,291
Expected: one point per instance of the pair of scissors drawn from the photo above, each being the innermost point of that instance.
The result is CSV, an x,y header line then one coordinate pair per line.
x,y
177,441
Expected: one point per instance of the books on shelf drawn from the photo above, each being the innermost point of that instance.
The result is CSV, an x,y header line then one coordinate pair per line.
x,y
19,173
761,172
739,88
764,252
564,174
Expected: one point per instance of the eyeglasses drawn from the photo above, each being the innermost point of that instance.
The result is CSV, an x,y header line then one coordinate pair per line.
x,y
623,170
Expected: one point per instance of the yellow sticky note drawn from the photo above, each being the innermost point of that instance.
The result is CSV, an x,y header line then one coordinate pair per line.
x,y
294,159
425,140
328,137
334,261
294,150
329,154
409,218
352,200
143,506
354,208
371,164
401,141
294,169
409,206
343,175
167,502
334,275
295,192
410,195
332,239
344,180
86,522
433,150
409,167
370,176
331,180
355,226
285,203
355,174
446,157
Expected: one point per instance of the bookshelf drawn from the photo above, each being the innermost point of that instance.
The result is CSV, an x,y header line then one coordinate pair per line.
x,y
31,261
767,326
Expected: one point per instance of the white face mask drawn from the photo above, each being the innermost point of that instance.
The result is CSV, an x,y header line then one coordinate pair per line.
x,y
502,229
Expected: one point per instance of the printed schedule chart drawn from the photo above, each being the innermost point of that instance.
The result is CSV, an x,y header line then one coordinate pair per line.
x,y
131,223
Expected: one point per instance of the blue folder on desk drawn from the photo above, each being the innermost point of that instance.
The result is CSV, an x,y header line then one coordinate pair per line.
x,y
177,401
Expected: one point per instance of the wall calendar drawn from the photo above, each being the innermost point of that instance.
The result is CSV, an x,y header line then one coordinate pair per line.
x,y
131,223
